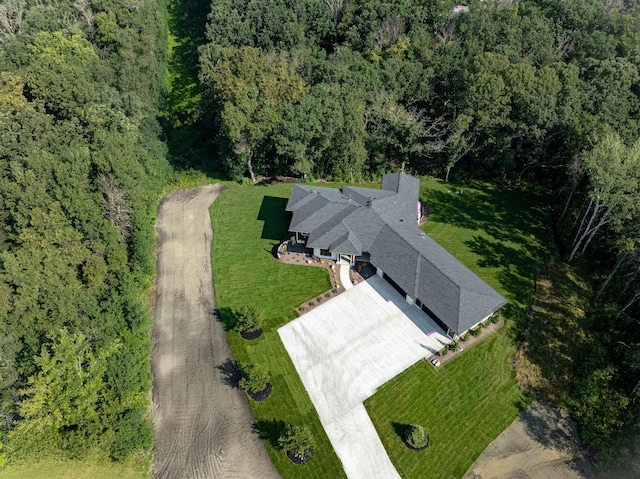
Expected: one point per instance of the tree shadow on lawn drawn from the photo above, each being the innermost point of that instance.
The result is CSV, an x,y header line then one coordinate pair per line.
x,y
399,428
516,273
507,215
276,219
269,430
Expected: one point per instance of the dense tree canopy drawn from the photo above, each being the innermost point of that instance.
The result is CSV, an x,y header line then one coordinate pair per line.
x,y
81,168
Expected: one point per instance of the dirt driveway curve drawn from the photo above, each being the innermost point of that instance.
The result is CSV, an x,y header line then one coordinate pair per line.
x,y
203,426
541,443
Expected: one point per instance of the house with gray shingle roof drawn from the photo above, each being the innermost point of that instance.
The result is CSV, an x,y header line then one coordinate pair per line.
x,y
380,226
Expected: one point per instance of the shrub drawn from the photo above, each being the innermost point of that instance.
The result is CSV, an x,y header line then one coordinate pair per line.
x,y
476,332
297,441
416,436
455,345
495,319
254,377
131,436
466,336
445,351
293,240
247,319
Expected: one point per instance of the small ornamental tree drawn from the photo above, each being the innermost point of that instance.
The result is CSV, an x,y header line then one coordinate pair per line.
x,y
253,377
248,319
416,437
298,442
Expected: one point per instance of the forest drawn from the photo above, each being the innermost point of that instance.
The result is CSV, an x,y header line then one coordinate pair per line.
x,y
540,95
82,165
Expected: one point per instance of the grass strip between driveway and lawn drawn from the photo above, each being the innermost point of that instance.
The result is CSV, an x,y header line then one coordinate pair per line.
x,y
501,235
247,223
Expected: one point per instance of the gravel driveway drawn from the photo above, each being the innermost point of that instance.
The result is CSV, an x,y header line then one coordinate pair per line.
x,y
204,427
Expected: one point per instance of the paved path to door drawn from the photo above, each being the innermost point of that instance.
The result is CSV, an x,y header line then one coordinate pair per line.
x,y
344,350
345,280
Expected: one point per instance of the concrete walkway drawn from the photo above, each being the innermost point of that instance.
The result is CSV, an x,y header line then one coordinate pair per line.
x,y
344,350
344,275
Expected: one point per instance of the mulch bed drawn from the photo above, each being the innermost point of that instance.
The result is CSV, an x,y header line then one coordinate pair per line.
x,y
486,330
261,395
251,334
409,446
300,460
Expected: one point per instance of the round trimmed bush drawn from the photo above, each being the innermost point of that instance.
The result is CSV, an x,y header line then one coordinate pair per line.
x,y
416,437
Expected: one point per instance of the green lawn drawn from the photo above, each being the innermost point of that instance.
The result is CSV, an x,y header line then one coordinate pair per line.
x,y
68,469
247,223
501,235
463,406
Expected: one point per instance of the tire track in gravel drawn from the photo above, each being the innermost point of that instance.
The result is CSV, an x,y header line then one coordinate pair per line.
x,y
204,427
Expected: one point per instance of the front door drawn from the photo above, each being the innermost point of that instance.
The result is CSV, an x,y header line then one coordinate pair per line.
x,y
345,258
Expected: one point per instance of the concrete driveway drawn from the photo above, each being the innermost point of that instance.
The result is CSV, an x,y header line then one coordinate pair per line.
x,y
344,350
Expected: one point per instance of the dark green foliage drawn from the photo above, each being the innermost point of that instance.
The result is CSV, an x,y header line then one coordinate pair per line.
x,y
247,319
254,377
503,89
81,169
131,437
297,440
416,436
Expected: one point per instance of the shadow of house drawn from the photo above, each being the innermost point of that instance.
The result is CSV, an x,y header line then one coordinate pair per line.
x,y
276,219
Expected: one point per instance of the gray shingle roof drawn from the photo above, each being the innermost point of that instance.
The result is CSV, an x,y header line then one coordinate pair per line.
x,y
383,223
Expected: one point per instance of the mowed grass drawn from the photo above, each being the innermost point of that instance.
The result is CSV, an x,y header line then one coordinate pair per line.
x,y
247,223
463,406
502,236
68,469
